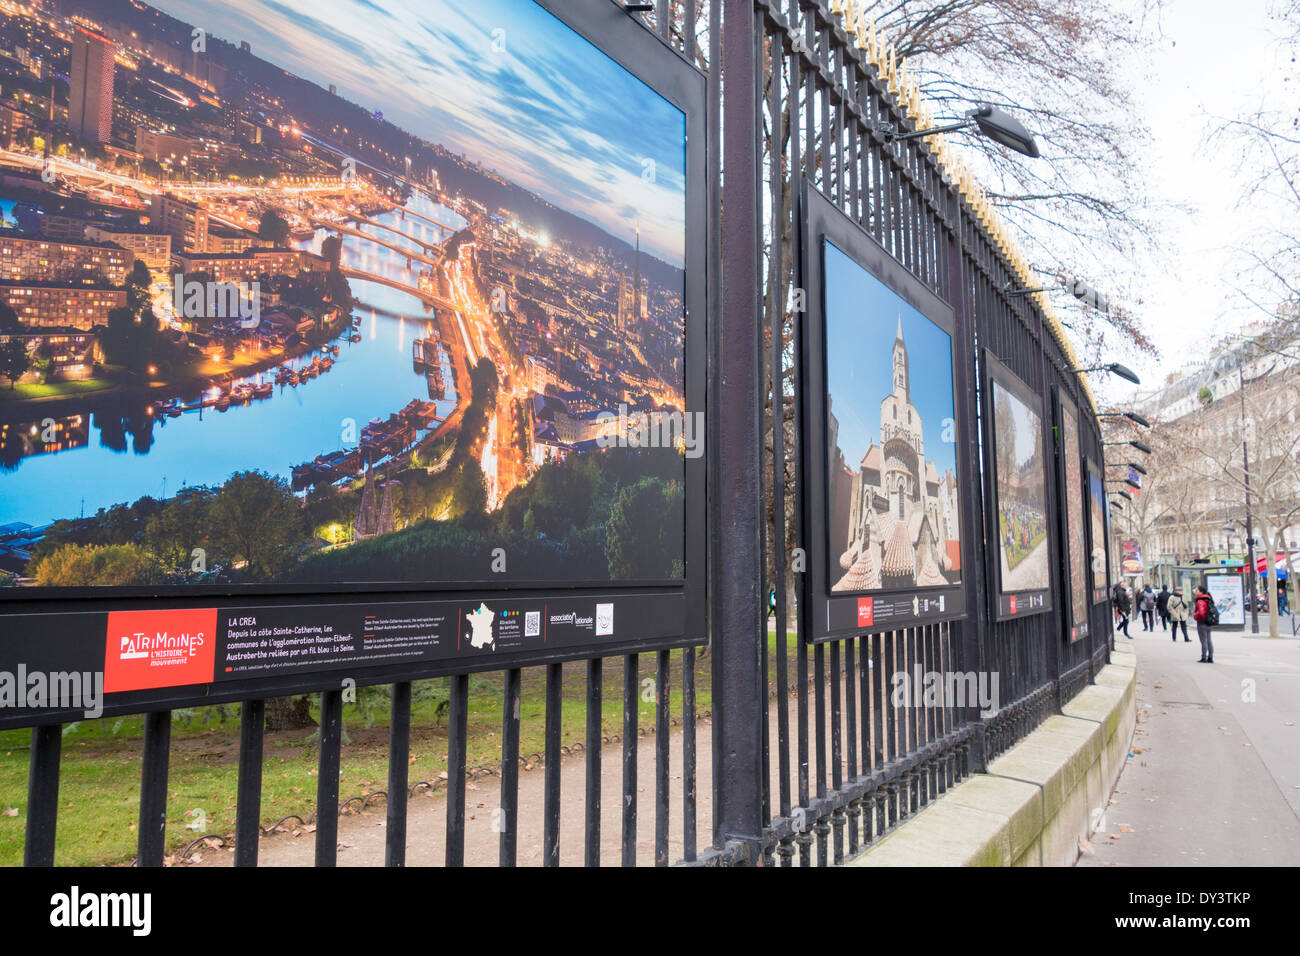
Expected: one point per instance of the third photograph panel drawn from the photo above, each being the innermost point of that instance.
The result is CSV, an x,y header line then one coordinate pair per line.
x,y
1019,469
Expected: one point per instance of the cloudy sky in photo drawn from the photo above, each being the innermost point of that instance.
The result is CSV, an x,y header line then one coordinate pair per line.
x,y
502,81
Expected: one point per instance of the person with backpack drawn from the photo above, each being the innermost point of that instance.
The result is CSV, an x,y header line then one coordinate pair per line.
x,y
1147,603
1206,616
1162,606
1177,609
1122,606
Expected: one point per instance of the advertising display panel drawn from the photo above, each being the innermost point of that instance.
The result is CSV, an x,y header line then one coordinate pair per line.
x,y
1227,592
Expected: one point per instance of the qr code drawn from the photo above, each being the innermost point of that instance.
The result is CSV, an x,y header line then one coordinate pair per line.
x,y
532,623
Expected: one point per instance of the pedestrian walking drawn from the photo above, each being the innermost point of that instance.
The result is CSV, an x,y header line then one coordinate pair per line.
x,y
1282,606
1122,607
1178,612
1162,606
1202,615
1148,605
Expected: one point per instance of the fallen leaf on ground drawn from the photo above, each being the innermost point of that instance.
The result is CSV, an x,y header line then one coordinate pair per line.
x,y
1125,828
10,811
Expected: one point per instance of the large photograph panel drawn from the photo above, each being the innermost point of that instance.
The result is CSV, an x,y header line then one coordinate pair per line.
x,y
1097,503
397,299
893,516
1072,462
1022,493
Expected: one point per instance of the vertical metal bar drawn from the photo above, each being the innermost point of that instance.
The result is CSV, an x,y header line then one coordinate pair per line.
x,y
661,762
837,774
689,837
819,725
551,808
974,627
508,816
776,317
689,28
630,704
456,741
793,92
43,795
150,842
248,799
851,749
736,357
399,762
327,777
595,687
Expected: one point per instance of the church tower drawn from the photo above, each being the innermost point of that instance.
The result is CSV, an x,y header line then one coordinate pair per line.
x,y
902,384
636,283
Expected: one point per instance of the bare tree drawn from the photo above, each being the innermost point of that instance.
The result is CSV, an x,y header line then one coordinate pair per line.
x,y
1267,469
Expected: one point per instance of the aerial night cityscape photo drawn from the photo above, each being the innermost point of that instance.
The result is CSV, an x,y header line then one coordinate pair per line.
x,y
341,308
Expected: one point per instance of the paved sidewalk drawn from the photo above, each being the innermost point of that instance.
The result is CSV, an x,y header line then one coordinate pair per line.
x,y
1214,775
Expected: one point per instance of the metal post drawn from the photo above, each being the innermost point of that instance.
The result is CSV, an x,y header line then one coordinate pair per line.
x,y
975,626
1250,529
736,560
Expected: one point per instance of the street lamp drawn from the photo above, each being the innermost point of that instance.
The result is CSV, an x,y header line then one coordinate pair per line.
x,y
1131,416
1085,293
1123,371
998,126
1139,445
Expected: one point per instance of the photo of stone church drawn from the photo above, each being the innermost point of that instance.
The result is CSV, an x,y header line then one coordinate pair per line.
x,y
893,484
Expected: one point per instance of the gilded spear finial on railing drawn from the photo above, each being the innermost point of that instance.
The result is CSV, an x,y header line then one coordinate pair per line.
x,y
873,47
860,30
891,69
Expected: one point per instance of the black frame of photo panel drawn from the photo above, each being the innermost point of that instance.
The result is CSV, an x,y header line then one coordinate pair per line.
x,y
66,629
831,616
1005,605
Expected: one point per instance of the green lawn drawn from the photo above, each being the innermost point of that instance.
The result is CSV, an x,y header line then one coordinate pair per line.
x,y
99,780
26,391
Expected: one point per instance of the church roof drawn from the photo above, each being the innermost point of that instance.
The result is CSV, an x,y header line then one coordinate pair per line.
x,y
861,574
899,559
931,475
872,458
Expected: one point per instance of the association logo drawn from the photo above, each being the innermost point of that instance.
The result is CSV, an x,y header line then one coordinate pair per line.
x,y
604,619
866,612
167,648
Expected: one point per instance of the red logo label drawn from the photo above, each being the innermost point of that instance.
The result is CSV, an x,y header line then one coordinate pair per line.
x,y
1013,604
865,613
148,649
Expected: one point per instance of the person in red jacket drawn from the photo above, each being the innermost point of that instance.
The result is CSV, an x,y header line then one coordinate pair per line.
x,y
1200,615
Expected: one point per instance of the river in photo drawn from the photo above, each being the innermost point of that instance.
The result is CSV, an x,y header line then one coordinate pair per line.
x,y
370,379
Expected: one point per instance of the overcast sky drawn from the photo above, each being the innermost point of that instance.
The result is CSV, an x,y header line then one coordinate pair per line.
x,y
1209,61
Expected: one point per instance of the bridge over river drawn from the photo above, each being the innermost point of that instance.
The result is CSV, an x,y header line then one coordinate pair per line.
x,y
428,298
